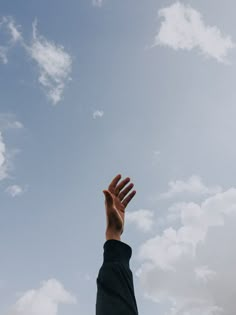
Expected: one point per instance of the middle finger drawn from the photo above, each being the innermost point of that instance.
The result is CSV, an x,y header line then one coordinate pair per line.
x,y
124,192
122,185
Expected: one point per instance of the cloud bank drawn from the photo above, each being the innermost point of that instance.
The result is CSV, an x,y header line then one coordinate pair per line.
x,y
191,265
184,28
193,185
142,218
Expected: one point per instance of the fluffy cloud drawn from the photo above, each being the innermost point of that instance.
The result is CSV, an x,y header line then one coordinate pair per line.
x,y
14,190
54,65
142,218
97,113
9,27
183,28
44,300
193,185
192,266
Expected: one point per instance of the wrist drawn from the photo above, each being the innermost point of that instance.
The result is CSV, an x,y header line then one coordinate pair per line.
x,y
112,236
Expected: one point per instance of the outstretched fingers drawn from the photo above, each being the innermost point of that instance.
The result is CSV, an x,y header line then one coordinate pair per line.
x,y
128,198
124,192
116,188
121,185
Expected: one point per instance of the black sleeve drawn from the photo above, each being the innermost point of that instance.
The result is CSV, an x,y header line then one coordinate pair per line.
x,y
115,289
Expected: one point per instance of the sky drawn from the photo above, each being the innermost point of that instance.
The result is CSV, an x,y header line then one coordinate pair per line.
x,y
91,89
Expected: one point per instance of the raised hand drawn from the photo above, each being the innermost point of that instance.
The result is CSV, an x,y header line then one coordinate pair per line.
x,y
116,201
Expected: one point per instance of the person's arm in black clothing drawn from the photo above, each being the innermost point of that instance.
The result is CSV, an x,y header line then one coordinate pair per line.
x,y
115,289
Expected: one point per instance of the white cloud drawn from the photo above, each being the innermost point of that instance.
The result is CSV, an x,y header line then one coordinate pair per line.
x,y
44,300
97,3
192,267
54,65
157,152
9,27
3,159
53,62
193,185
14,190
17,125
204,273
14,30
8,121
8,24
3,54
142,218
97,113
183,28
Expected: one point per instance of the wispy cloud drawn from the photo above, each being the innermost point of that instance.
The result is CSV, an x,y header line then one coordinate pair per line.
x,y
3,54
7,121
97,3
184,28
97,113
192,266
192,185
3,159
14,29
44,300
14,190
53,62
9,27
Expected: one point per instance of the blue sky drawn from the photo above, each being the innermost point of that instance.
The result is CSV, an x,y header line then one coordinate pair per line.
x,y
91,89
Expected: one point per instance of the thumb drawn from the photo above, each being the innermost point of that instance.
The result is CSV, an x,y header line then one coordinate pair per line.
x,y
108,197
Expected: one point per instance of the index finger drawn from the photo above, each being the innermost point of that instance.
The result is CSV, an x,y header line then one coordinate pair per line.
x,y
114,182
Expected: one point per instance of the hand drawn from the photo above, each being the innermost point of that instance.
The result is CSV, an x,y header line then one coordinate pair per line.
x,y
116,203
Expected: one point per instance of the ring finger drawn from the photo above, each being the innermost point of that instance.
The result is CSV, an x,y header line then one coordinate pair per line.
x,y
123,193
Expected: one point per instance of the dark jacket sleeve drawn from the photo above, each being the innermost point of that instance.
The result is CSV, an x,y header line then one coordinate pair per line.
x,y
115,289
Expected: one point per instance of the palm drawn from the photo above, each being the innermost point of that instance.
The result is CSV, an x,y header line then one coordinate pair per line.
x,y
117,202
120,209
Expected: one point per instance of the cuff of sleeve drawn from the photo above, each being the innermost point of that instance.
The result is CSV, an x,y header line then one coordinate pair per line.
x,y
117,251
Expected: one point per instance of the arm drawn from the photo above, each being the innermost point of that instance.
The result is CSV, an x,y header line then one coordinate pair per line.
x,y
115,289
